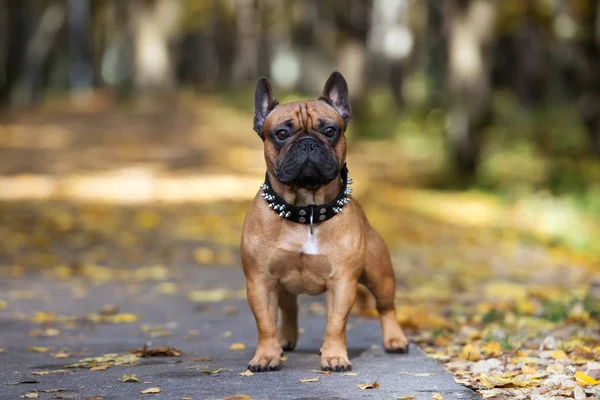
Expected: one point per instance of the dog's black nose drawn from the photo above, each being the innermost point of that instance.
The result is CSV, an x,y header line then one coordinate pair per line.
x,y
307,143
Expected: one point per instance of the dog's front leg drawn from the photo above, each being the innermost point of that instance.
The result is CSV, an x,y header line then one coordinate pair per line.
x,y
341,295
262,296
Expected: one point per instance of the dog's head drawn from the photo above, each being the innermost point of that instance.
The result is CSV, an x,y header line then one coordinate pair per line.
x,y
304,141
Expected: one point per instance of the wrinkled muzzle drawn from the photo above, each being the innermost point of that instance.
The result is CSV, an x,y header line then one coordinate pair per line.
x,y
308,163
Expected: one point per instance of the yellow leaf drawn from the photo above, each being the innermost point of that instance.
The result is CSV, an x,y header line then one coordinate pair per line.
x,y
61,354
408,397
38,349
129,379
283,358
437,396
204,255
585,380
100,367
365,386
237,346
559,355
208,296
3,304
31,395
148,219
153,390
316,379
247,373
529,370
167,288
470,353
349,374
492,349
212,372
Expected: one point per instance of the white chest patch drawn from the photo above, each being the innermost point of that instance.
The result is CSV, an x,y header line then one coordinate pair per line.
x,y
311,246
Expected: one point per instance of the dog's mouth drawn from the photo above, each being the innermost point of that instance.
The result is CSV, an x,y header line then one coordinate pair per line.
x,y
308,164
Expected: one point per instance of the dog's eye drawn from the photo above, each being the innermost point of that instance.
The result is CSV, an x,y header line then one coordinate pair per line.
x,y
282,134
329,132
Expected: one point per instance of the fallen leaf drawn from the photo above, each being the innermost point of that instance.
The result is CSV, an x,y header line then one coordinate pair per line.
x,y
584,379
56,371
157,352
50,390
197,367
38,349
31,395
167,288
203,359
237,346
209,296
283,358
365,386
349,374
555,368
419,374
470,353
61,354
492,349
100,368
315,379
318,371
247,373
48,332
213,371
152,390
3,304
559,355
437,396
408,397
529,370
130,379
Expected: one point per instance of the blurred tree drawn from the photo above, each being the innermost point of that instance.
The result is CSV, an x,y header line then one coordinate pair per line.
x,y
81,74
471,28
589,73
155,25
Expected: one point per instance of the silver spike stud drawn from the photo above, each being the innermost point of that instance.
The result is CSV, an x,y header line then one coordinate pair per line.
x,y
282,214
349,180
271,205
287,214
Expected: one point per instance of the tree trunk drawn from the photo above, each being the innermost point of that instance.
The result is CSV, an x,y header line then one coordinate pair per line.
x,y
44,39
391,43
15,30
589,80
81,73
246,64
471,27
155,24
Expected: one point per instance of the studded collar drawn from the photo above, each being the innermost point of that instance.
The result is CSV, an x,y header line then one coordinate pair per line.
x,y
311,214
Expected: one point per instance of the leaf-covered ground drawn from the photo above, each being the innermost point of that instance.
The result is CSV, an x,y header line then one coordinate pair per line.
x,y
484,287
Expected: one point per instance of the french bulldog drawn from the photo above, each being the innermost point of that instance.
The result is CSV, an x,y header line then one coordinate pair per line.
x,y
305,234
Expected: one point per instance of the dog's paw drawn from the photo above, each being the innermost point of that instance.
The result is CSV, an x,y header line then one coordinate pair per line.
x,y
335,363
264,363
288,346
288,337
396,345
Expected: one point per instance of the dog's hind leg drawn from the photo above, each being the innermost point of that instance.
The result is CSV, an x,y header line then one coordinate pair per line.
x,y
379,277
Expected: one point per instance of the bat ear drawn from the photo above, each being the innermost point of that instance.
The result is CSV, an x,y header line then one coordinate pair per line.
x,y
335,93
264,103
